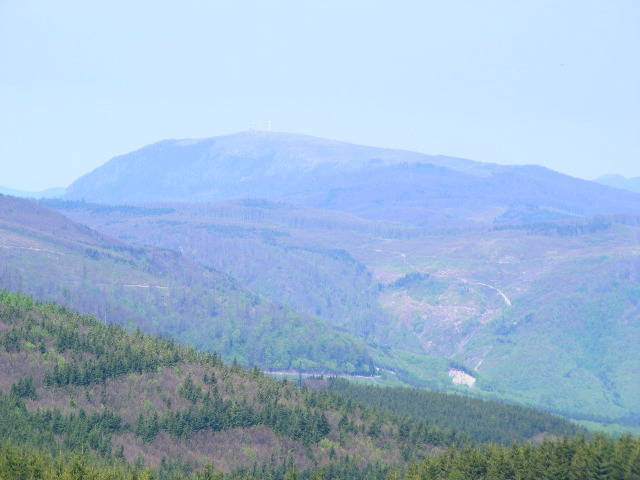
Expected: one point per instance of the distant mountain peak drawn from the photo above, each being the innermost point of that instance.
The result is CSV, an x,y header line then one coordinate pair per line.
x,y
371,182
620,181
48,193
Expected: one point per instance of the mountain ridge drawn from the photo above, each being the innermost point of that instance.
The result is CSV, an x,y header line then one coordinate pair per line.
x,y
46,193
375,183
631,184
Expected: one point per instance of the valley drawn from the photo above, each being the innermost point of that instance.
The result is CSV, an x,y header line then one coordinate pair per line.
x,y
526,306
323,240
432,298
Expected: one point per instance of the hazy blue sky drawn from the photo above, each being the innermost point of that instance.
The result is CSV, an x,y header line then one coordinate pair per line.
x,y
551,82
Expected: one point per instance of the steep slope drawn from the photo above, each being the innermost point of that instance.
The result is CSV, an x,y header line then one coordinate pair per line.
x,y
77,384
47,255
370,182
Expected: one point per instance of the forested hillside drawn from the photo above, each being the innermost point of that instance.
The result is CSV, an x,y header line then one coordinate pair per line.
x,y
599,458
552,297
48,256
509,304
259,243
504,424
71,382
83,400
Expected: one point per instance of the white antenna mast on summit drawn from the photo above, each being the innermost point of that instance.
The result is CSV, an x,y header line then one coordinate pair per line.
x,y
268,125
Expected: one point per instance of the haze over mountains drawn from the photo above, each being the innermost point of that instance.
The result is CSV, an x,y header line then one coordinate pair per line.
x,y
449,295
375,183
296,253
48,193
619,181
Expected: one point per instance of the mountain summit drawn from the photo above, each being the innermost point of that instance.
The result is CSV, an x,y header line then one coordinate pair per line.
x,y
241,164
370,182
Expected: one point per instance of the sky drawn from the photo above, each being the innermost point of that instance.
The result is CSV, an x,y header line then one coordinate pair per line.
x,y
555,83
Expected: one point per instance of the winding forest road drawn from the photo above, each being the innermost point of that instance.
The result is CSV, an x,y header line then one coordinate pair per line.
x,y
500,292
503,295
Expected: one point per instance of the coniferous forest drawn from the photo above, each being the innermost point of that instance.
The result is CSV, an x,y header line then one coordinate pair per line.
x,y
85,400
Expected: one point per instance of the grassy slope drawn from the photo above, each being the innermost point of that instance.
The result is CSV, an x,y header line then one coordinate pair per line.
x,y
566,343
